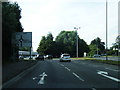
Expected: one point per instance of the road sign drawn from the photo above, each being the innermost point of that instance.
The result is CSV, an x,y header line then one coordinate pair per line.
x,y
23,39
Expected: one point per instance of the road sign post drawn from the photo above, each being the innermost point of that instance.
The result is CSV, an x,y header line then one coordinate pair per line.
x,y
23,39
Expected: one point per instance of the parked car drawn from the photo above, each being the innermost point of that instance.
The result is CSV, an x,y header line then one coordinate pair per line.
x,y
40,57
21,57
65,57
49,57
96,55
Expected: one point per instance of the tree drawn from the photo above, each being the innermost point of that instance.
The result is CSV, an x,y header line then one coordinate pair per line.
x,y
47,45
96,46
11,14
66,41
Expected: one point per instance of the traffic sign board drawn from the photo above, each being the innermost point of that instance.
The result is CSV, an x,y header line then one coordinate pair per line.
x,y
23,39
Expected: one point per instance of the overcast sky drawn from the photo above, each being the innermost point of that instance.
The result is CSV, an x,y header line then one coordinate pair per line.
x,y
43,16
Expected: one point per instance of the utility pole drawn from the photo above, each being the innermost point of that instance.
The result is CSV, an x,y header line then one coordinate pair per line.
x,y
77,41
106,31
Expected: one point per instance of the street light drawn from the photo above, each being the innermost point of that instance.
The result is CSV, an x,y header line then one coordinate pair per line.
x,y
106,31
76,28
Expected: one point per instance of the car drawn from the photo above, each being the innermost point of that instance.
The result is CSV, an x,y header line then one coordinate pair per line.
x,y
49,57
65,57
40,57
96,55
21,57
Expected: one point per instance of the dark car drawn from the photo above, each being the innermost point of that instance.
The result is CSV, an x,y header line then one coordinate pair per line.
x,y
40,57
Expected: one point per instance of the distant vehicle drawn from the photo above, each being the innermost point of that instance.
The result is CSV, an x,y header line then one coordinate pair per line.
x,y
40,57
96,55
21,57
49,57
65,57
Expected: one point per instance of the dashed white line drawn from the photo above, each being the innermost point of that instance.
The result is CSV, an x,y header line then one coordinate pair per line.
x,y
67,68
78,76
62,65
93,89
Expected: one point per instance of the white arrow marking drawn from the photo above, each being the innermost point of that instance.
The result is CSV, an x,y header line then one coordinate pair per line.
x,y
103,74
42,78
35,78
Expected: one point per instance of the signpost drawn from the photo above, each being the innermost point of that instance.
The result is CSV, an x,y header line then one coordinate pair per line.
x,y
23,39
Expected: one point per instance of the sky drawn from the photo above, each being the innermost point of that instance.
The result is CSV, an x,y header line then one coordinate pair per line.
x,y
43,16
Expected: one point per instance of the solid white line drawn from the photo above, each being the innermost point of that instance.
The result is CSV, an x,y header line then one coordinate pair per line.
x,y
67,68
78,76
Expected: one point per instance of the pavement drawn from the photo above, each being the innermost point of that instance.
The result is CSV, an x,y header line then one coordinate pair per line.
x,y
10,70
109,58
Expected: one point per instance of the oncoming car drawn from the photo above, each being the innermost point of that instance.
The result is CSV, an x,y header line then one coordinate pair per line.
x,y
65,57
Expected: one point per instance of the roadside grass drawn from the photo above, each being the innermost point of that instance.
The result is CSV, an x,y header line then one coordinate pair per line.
x,y
98,60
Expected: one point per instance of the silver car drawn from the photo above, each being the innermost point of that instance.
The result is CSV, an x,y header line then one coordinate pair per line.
x,y
65,57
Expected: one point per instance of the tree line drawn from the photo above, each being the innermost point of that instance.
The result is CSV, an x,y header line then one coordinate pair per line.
x,y
65,42
11,14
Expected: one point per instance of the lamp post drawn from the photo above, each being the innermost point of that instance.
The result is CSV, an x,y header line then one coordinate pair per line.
x,y
76,28
106,31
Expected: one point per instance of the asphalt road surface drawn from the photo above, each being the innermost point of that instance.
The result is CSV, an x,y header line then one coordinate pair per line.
x,y
74,74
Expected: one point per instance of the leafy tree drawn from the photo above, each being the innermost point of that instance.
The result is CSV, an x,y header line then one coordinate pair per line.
x,y
67,43
46,45
97,44
11,14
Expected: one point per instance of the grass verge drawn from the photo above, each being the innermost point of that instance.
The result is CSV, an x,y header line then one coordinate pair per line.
x,y
98,60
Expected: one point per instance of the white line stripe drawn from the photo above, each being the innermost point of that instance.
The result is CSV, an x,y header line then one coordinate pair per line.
x,y
78,77
93,89
62,65
67,68
103,73
115,79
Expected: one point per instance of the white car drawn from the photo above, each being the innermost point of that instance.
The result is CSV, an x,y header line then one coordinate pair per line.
x,y
96,55
65,57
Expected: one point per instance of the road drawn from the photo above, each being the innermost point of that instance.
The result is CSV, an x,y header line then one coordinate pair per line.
x,y
74,74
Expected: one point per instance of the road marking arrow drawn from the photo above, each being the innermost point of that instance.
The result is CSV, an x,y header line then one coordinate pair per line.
x,y
105,74
41,81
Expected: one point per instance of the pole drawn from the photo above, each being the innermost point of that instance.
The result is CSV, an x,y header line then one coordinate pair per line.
x,y
30,53
77,44
106,31
77,41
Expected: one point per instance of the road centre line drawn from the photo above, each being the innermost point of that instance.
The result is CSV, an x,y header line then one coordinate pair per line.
x,y
61,64
67,68
78,76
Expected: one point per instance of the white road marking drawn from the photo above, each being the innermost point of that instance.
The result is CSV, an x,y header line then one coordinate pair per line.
x,y
62,65
93,89
67,68
112,69
41,81
78,76
34,78
103,73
